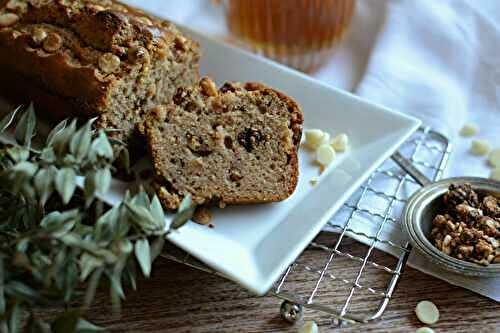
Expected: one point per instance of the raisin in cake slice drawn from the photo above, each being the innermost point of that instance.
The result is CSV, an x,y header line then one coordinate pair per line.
x,y
235,145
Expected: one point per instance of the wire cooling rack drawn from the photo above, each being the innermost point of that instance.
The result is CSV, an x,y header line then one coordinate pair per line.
x,y
346,272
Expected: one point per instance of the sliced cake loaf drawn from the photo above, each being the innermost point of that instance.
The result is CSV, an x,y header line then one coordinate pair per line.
x,y
233,145
89,58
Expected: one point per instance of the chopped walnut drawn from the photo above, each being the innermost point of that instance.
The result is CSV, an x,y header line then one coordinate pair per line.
x,y
468,227
17,6
38,36
202,215
490,206
8,19
109,63
52,42
208,87
139,54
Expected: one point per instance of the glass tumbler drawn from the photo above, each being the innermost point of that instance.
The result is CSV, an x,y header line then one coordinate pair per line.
x,y
297,33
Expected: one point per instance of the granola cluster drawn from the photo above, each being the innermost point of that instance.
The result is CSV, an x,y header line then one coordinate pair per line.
x,y
468,227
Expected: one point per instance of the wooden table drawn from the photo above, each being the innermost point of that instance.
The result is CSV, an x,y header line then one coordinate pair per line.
x,y
181,299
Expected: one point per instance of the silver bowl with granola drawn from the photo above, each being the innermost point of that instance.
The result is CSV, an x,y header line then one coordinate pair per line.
x,y
456,224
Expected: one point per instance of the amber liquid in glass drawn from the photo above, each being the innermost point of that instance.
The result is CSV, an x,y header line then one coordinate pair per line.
x,y
298,33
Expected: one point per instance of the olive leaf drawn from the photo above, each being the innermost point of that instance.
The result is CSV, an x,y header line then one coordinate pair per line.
x,y
26,127
60,139
103,180
101,147
44,183
84,326
8,119
65,183
55,132
184,214
80,142
143,255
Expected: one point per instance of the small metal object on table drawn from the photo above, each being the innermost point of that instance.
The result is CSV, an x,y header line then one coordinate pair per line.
x,y
378,203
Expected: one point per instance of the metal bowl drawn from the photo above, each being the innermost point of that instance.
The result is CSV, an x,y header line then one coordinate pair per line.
x,y
420,211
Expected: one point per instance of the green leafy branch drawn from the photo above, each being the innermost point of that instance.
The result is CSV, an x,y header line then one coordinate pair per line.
x,y
58,241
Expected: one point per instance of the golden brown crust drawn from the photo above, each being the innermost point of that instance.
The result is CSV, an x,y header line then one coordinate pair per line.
x,y
80,52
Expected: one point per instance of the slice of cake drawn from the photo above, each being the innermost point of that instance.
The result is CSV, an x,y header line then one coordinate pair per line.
x,y
233,145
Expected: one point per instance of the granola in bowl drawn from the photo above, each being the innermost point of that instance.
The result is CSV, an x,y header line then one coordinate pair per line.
x,y
467,226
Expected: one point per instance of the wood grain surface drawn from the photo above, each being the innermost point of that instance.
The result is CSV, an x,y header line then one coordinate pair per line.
x,y
181,299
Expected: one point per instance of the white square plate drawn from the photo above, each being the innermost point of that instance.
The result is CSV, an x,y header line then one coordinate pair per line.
x,y
253,245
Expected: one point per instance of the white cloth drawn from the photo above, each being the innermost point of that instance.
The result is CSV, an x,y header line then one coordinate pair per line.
x,y
437,60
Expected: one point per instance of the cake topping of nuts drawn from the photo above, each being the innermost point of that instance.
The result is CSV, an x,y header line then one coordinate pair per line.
x,y
38,36
109,63
139,54
8,19
52,42
208,87
468,227
17,6
181,43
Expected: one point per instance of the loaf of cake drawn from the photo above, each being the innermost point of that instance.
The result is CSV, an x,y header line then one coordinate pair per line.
x,y
89,58
233,145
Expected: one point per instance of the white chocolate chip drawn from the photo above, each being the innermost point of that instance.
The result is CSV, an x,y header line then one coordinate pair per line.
x,y
480,147
427,312
52,42
469,130
424,330
109,62
325,154
314,137
494,158
495,174
340,143
309,327
8,19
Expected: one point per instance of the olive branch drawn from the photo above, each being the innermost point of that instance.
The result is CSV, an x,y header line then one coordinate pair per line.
x,y
59,241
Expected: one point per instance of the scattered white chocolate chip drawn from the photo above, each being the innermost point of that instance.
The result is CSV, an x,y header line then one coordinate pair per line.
x,y
495,174
314,137
427,312
480,147
52,42
8,19
325,154
424,330
469,130
109,62
309,327
494,158
340,143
